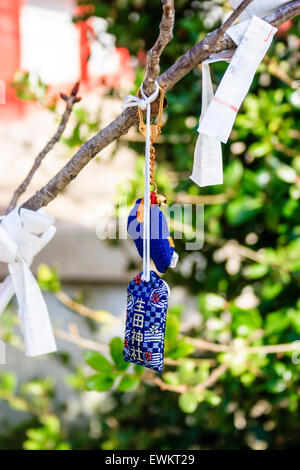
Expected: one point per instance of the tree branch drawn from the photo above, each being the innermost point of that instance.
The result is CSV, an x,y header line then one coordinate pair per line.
x,y
165,36
75,338
100,316
70,101
204,345
213,42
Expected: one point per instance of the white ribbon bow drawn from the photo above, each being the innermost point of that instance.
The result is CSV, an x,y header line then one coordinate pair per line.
x,y
219,111
23,234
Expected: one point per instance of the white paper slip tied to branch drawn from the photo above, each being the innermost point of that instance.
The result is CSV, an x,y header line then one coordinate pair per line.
x,y
257,7
23,234
219,111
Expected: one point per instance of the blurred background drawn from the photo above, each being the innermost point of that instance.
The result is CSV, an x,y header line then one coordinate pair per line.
x,y
241,290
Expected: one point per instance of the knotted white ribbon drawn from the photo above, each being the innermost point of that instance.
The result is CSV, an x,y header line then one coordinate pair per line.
x,y
145,104
23,234
253,38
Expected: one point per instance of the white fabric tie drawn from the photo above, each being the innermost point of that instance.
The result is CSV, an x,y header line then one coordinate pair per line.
x,y
23,234
145,104
219,111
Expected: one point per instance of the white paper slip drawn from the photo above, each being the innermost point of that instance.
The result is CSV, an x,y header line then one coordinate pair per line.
x,y
257,7
208,165
221,113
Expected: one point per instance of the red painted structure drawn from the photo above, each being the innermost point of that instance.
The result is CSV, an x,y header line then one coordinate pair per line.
x,y
11,14
10,53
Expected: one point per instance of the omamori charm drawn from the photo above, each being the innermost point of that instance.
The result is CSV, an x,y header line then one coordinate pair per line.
x,y
148,295
147,304
161,243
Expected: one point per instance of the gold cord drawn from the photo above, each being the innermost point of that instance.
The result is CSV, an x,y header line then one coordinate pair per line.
x,y
155,130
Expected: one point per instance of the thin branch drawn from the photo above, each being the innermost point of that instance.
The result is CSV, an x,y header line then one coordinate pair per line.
x,y
21,404
182,388
216,42
274,69
204,345
84,343
70,101
285,13
206,199
100,316
83,156
212,378
165,36
234,16
213,42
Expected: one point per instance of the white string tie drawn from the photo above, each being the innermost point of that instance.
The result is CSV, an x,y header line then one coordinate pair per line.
x,y
145,104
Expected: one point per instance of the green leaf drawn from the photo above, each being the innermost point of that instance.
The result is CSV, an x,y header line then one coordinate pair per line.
x,y
139,370
213,399
286,173
171,378
172,330
186,370
233,173
99,383
245,321
176,310
259,149
128,383
277,322
211,302
242,209
97,362
116,350
8,383
255,271
181,349
48,279
188,402
276,386
271,289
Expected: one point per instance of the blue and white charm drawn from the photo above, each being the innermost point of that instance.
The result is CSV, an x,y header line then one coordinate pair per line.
x,y
147,293
147,304
162,249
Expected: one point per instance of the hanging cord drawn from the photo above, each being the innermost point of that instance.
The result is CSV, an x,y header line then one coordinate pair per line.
x,y
155,131
144,103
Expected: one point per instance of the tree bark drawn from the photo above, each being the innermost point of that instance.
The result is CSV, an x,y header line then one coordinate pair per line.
x,y
215,41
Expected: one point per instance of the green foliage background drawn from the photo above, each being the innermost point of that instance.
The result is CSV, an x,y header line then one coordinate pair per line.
x,y
252,246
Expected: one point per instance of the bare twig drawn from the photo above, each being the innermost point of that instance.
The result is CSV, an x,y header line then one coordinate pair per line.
x,y
204,345
212,378
84,343
165,36
234,16
100,316
185,198
216,42
183,388
70,101
213,42
275,70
